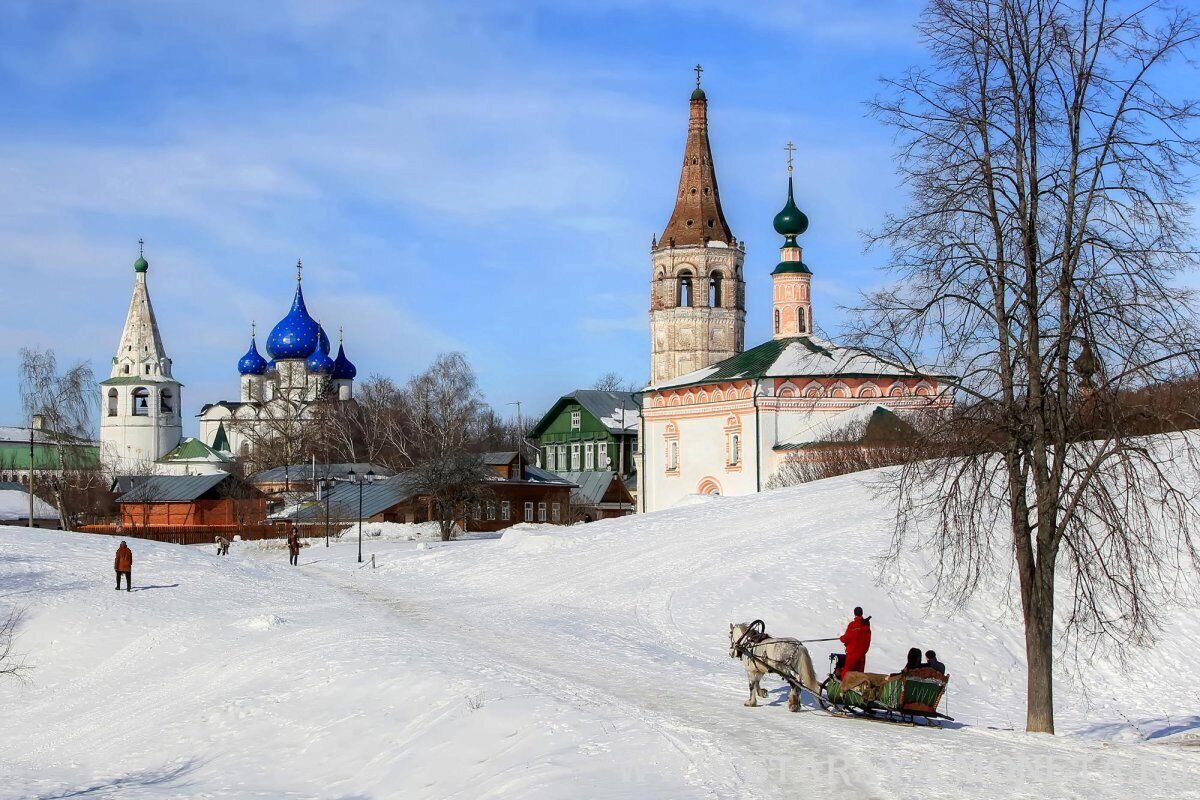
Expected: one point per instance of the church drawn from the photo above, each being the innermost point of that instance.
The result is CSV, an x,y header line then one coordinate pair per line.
x,y
720,419
141,423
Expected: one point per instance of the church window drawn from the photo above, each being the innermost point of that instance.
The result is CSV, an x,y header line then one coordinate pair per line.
x,y
714,290
800,317
550,458
683,297
673,455
777,320
126,369
689,222
735,449
112,402
165,404
541,512
576,419
575,457
141,401
693,190
711,223
589,456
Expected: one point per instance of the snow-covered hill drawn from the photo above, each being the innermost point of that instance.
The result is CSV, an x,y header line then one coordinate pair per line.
x,y
582,662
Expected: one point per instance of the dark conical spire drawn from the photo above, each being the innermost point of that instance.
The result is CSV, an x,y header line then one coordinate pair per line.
x,y
697,216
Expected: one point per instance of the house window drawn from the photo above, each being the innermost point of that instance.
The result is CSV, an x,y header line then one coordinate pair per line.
x,y
541,512
550,458
589,456
491,510
476,512
505,510
562,456
575,457
602,455
576,419
112,402
555,512
141,401
529,512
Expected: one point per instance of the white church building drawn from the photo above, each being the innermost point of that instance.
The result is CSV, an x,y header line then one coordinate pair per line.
x,y
720,419
141,423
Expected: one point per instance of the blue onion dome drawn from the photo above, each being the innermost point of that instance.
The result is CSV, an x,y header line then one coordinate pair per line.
x,y
271,365
324,340
343,369
319,363
297,335
791,221
252,363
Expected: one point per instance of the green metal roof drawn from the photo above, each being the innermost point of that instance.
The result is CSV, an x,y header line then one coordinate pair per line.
x,y
221,440
129,380
791,266
192,449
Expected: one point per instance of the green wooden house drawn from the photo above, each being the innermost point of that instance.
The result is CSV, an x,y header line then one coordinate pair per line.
x,y
590,430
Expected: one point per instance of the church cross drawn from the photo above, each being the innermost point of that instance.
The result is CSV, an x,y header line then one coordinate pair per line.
x,y
299,268
791,148
141,247
698,69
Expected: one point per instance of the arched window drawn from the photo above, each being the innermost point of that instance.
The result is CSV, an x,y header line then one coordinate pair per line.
x,y
801,321
112,402
683,296
714,290
166,403
777,320
141,401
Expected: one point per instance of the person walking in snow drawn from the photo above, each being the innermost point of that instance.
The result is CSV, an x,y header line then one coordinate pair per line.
x,y
857,639
222,546
123,564
293,548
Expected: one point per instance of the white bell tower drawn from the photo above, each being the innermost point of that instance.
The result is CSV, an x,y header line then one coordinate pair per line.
x,y
140,403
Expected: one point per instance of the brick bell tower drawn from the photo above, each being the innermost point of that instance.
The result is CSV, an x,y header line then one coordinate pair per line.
x,y
697,293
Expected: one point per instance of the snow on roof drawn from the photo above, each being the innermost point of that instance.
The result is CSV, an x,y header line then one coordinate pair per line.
x,y
14,505
800,356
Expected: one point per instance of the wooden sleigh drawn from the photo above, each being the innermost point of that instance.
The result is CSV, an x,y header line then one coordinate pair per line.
x,y
910,697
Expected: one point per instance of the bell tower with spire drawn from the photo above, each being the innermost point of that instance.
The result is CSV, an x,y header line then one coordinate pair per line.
x,y
140,403
697,293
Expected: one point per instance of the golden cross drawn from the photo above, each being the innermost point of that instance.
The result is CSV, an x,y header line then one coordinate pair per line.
x,y
791,148
698,70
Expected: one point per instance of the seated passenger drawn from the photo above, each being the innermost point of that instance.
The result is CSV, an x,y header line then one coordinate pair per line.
x,y
931,661
914,660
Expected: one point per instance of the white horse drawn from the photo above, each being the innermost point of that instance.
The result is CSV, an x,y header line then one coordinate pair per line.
x,y
762,653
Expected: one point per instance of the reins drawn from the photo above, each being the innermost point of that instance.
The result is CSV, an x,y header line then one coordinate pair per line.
x,y
744,650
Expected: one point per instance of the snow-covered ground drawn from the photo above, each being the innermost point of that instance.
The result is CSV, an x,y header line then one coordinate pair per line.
x,y
585,662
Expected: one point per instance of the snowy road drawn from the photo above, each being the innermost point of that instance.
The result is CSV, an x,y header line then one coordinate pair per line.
x,y
584,663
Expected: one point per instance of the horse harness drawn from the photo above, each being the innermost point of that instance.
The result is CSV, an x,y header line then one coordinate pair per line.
x,y
756,635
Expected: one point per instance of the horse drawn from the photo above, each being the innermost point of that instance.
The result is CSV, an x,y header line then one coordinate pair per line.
x,y
762,653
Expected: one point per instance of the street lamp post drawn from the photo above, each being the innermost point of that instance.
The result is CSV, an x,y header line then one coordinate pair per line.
x,y
361,481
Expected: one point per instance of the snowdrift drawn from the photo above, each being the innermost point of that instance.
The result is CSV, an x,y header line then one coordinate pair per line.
x,y
551,662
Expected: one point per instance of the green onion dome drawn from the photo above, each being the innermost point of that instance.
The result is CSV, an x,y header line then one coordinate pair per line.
x,y
141,265
791,221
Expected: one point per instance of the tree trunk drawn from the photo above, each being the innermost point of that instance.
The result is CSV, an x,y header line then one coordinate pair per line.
x,y
1039,656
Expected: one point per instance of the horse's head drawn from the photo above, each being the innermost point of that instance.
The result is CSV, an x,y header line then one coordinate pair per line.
x,y
736,633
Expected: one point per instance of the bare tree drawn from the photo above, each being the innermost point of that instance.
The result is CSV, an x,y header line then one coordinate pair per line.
x,y
1037,263
613,382
11,664
453,481
65,402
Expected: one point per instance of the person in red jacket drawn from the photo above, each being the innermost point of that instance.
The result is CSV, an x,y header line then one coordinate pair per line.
x,y
123,564
857,639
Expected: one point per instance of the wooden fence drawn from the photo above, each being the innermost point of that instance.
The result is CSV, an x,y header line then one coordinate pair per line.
x,y
193,534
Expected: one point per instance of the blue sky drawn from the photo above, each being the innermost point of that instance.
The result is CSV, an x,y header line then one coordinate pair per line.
x,y
483,177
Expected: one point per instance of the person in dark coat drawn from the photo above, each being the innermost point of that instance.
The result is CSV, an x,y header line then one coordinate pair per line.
x,y
931,661
857,639
123,564
914,659
293,548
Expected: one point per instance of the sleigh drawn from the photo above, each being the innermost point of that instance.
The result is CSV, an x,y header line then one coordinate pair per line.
x,y
911,697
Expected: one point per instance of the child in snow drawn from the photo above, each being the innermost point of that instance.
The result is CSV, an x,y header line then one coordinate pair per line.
x,y
123,564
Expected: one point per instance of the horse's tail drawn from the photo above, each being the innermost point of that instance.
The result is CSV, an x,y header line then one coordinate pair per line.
x,y
808,675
